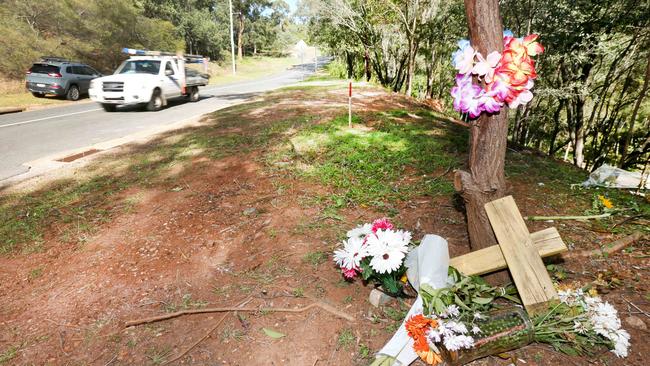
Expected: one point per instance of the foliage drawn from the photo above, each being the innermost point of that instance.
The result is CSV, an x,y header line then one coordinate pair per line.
x,y
95,31
591,94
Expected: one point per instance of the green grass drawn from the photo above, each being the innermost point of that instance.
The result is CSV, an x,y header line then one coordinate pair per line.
x,y
8,354
346,339
315,258
24,99
369,166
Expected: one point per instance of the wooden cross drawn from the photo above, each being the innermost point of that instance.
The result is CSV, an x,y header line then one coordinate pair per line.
x,y
520,252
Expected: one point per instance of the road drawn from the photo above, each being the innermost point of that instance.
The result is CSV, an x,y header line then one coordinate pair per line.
x,y
32,135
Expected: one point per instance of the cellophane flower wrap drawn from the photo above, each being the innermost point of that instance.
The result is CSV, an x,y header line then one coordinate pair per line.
x,y
375,252
507,77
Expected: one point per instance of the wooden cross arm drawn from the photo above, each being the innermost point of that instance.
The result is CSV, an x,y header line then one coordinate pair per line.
x,y
547,242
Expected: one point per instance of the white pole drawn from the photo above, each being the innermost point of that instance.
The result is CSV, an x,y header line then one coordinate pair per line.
x,y
232,41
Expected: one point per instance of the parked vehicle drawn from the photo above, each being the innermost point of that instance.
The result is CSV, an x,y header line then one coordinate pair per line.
x,y
61,77
149,78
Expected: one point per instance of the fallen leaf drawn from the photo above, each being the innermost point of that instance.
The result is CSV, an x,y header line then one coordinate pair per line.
x,y
273,334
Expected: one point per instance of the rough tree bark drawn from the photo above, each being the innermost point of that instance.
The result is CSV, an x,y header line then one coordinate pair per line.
x,y
635,111
240,37
485,180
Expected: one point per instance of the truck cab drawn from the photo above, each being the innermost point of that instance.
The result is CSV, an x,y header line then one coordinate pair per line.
x,y
150,80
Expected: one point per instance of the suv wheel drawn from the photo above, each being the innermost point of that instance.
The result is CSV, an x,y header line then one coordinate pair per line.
x,y
73,93
193,94
156,102
109,107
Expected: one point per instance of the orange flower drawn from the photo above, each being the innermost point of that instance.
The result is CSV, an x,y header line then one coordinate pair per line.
x,y
417,325
430,357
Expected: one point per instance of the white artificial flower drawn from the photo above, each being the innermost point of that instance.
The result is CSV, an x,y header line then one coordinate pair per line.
x,y
451,311
388,249
621,339
579,327
457,327
350,256
360,231
476,330
456,342
478,316
434,335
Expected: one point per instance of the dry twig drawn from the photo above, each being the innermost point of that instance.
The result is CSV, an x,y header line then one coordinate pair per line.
x,y
325,307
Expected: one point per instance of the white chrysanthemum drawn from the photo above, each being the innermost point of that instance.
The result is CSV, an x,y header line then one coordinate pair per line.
x,y
476,330
388,249
452,311
360,231
350,256
456,342
580,327
457,327
621,339
478,316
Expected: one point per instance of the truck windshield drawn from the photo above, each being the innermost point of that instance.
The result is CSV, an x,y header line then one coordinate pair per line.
x,y
139,67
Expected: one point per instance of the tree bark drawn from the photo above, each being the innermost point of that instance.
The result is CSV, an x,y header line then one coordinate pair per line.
x,y
485,180
635,111
240,37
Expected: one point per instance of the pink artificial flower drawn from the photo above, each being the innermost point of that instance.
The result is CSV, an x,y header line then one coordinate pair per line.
x,y
498,89
463,59
466,96
382,224
523,97
489,103
485,67
349,273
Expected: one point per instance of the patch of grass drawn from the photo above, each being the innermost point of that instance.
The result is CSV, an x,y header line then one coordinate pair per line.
x,y
315,258
368,165
348,299
230,333
298,292
186,303
158,356
346,339
365,352
35,273
8,354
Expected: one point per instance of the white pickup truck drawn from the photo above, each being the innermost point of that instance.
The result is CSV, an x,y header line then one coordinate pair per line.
x,y
149,80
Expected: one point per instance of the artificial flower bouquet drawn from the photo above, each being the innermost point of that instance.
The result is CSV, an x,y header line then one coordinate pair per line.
x,y
508,76
376,252
463,322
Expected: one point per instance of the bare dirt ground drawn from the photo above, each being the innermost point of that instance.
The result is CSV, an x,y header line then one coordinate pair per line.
x,y
238,229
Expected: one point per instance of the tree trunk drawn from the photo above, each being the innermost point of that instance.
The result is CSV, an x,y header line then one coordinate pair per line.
x,y
485,180
240,37
635,111
366,64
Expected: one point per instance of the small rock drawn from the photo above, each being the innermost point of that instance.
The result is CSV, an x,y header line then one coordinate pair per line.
x,y
378,298
250,211
636,322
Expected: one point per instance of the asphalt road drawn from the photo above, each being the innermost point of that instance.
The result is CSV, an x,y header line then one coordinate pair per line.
x,y
28,136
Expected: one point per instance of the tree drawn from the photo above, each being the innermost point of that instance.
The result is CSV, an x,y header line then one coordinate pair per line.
x,y
485,180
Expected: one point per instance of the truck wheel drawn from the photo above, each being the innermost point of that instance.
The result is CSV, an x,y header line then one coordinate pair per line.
x,y
73,93
156,101
109,107
193,94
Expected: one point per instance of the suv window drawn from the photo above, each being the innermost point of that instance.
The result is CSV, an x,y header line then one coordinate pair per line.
x,y
139,67
89,70
43,69
168,66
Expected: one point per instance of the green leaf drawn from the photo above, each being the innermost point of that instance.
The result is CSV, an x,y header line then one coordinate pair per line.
x,y
273,334
482,300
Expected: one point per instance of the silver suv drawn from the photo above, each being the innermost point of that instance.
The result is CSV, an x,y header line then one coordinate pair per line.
x,y
61,77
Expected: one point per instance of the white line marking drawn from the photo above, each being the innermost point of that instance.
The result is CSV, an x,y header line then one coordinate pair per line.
x,y
50,117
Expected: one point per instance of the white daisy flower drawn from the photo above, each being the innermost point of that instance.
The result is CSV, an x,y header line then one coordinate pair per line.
x,y
579,327
360,231
451,311
621,339
351,254
478,316
476,330
388,249
456,342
